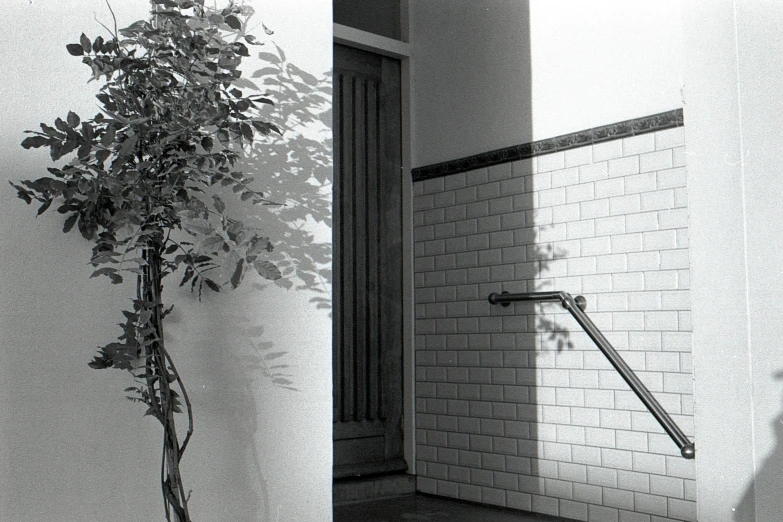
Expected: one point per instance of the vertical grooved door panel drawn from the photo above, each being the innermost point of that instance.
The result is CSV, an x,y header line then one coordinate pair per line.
x,y
367,351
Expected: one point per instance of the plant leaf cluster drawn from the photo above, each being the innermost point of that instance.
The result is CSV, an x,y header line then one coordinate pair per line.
x,y
167,138
146,178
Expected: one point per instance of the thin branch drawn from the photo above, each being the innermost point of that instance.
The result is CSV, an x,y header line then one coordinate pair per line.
x,y
163,482
186,398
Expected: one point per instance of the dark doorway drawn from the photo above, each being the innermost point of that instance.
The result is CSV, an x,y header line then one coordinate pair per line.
x,y
367,344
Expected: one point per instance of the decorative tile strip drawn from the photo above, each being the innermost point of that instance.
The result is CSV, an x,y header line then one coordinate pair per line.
x,y
623,129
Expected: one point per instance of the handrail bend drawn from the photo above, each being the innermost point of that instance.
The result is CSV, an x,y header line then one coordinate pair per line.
x,y
576,306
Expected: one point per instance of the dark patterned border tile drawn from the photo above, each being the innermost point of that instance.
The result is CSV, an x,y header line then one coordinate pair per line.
x,y
623,129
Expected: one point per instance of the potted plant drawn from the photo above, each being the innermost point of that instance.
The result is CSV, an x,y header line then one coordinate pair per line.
x,y
146,180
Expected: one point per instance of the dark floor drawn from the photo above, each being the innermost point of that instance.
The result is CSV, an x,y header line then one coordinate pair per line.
x,y
427,508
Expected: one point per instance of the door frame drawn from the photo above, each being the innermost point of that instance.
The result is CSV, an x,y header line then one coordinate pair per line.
x,y
366,41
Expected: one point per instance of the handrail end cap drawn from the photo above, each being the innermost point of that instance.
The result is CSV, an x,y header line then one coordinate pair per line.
x,y
689,451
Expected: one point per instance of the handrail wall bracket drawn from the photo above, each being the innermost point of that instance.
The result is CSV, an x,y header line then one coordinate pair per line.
x,y
577,306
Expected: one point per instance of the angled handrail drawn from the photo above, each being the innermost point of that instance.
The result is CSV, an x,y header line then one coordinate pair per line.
x,y
576,306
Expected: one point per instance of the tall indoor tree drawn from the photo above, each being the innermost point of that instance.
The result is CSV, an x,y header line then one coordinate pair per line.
x,y
145,180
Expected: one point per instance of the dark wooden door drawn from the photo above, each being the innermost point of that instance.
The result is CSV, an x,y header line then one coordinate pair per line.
x,y
367,349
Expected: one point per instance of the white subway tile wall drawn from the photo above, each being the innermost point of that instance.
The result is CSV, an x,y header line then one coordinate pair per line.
x,y
516,406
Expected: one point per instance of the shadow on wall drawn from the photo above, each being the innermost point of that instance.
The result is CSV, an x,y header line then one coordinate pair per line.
x,y
238,364
296,172
541,331
767,478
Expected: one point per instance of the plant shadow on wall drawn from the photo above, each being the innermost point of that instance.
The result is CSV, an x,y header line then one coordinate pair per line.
x,y
150,178
766,480
296,168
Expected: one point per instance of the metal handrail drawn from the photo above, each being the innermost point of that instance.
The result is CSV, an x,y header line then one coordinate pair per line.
x,y
576,306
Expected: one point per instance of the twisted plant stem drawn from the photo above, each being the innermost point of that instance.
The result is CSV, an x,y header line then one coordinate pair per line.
x,y
163,402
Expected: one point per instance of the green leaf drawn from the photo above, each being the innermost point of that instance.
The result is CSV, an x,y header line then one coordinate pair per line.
x,y
237,277
73,118
241,49
108,137
247,131
97,45
75,49
98,363
218,203
188,274
70,222
233,22
212,241
44,207
107,270
267,270
102,155
234,230
86,43
212,285
84,151
34,142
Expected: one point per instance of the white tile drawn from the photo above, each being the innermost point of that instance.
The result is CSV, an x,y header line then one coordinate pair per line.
x,y
565,177
659,240
680,156
658,160
581,192
644,182
607,150
609,264
594,209
670,138
595,246
660,280
580,229
631,440
548,162
652,504
610,225
642,222
554,196
661,320
633,481
623,166
659,200
565,213
593,172
667,486
674,259
639,144
673,218
621,205
648,463
672,178
606,188
624,243
682,509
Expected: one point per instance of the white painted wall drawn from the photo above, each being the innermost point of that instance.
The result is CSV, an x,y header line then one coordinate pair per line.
x,y
494,73
733,139
71,447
